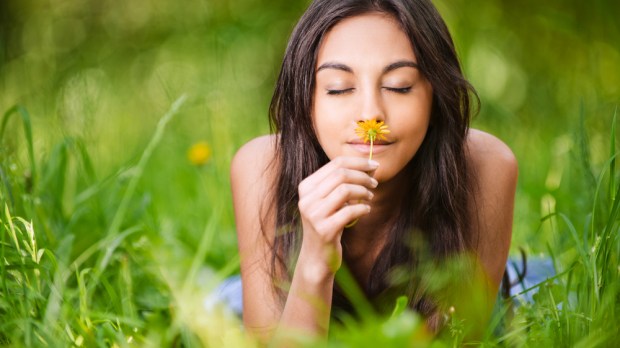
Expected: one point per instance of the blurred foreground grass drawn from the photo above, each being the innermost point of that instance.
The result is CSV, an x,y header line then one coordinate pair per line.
x,y
111,236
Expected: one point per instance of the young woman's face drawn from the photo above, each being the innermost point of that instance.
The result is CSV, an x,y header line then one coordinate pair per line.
x,y
366,69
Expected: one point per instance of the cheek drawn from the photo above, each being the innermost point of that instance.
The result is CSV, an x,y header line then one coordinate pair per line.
x,y
331,119
414,113
325,129
412,124
416,133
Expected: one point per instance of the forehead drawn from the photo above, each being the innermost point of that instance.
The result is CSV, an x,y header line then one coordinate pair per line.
x,y
370,38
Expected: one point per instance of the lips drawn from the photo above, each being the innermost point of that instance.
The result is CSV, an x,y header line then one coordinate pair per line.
x,y
364,148
376,142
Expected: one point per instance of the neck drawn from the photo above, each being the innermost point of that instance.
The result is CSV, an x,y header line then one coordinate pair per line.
x,y
370,233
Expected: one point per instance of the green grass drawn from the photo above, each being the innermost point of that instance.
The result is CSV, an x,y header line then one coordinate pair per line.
x,y
109,236
99,276
90,263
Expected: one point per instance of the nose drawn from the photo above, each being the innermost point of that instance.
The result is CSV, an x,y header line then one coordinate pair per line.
x,y
372,107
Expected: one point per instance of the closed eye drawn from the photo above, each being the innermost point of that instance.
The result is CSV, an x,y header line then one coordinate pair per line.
x,y
402,90
339,91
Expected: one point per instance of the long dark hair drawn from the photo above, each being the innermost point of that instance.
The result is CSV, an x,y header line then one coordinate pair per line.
x,y
438,212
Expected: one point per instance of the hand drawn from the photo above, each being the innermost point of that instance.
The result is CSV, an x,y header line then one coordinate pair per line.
x,y
333,196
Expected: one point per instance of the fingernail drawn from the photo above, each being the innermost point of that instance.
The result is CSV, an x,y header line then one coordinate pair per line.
x,y
373,163
368,208
370,195
373,182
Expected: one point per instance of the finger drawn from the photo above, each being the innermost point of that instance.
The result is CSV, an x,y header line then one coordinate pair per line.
x,y
342,176
345,193
348,214
330,228
314,210
354,163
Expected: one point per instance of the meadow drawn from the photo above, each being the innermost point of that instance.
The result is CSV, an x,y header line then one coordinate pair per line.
x,y
119,120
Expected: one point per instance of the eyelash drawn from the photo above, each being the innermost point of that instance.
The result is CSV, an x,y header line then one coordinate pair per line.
x,y
338,91
403,90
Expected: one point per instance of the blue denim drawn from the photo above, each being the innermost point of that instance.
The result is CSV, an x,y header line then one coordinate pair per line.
x,y
538,270
230,294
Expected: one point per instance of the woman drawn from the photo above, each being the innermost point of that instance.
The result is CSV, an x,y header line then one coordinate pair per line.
x,y
308,200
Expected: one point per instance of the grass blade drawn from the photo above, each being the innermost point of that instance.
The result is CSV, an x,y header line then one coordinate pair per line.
x,y
612,153
138,170
351,290
18,109
205,245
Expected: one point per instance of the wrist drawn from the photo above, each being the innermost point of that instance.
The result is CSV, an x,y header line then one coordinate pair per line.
x,y
313,269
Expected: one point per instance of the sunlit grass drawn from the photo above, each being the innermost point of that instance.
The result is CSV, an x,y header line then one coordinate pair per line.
x,y
107,269
121,285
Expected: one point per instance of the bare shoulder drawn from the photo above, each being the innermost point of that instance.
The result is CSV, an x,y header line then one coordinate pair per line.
x,y
487,152
256,156
494,170
492,164
252,175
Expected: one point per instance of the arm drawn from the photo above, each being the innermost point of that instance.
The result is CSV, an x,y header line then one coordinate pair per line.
x,y
493,169
324,213
251,177
495,180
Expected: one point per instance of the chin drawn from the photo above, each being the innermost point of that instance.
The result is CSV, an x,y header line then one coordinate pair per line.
x,y
387,173
382,175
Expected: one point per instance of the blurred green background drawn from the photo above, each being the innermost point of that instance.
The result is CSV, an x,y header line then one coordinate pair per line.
x,y
100,74
105,71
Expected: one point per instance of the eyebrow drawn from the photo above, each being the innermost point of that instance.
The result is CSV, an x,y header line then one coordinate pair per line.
x,y
337,66
391,67
401,64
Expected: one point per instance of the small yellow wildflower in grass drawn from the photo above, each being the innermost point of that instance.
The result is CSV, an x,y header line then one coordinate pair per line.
x,y
199,154
371,130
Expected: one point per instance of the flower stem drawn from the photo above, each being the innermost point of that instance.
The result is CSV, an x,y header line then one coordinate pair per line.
x,y
352,223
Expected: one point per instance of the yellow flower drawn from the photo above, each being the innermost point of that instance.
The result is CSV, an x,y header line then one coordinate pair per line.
x,y
371,130
199,153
